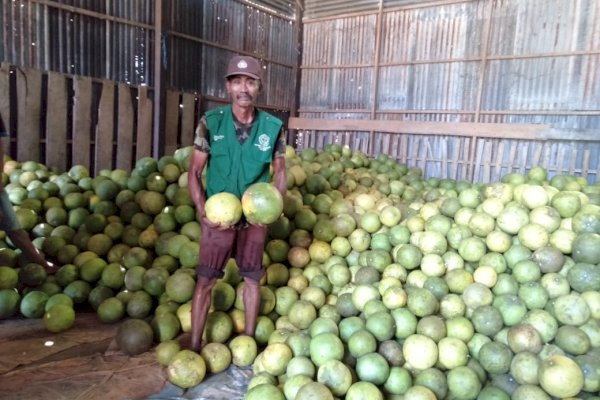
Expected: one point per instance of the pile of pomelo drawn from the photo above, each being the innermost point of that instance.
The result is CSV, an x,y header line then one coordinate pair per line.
x,y
379,284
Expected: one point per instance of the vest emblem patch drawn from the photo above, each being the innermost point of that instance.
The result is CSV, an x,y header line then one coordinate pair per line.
x,y
263,142
218,137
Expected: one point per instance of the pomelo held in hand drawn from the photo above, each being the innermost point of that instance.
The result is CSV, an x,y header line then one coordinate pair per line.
x,y
262,203
223,208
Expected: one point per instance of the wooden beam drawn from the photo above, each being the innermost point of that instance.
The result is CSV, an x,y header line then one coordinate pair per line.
x,y
466,129
515,131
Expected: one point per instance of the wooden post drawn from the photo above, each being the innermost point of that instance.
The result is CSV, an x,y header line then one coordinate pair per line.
x,y
159,79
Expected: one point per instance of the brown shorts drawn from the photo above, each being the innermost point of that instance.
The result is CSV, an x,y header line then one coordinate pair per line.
x,y
245,244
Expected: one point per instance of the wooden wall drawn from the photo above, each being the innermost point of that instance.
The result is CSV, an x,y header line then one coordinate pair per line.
x,y
65,120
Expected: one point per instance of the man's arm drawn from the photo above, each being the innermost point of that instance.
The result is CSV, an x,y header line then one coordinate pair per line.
x,y
197,164
198,161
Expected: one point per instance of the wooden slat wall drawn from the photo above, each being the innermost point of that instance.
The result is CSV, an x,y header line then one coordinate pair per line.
x,y
111,123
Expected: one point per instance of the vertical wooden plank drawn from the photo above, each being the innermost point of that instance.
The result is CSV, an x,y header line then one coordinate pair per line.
x,y
561,158
82,121
457,144
573,162
29,91
56,122
499,158
188,119
511,158
5,99
585,164
105,128
124,129
171,121
535,161
143,146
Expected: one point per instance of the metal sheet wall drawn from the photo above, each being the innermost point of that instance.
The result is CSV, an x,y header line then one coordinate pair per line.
x,y
503,61
114,39
107,40
110,44
216,31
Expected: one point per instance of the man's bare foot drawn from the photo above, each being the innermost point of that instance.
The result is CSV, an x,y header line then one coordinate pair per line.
x,y
186,342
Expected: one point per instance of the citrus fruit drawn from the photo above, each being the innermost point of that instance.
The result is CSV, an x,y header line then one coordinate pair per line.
x,y
180,287
363,390
134,336
560,376
463,383
9,302
59,317
243,350
33,304
165,326
186,369
262,203
111,310
223,208
9,277
324,347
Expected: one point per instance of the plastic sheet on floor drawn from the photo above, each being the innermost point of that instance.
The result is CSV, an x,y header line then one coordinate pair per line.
x,y
229,384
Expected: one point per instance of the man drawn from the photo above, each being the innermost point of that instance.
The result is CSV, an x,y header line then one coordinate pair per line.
x,y
238,143
10,224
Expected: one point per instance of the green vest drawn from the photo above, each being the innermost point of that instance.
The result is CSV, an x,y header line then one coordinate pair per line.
x,y
232,166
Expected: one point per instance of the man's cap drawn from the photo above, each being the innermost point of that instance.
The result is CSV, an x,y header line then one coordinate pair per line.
x,y
244,65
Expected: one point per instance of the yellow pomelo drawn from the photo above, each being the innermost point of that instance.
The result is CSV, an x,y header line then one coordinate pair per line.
x,y
560,376
223,208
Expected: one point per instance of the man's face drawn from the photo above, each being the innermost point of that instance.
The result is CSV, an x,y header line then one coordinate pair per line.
x,y
243,90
